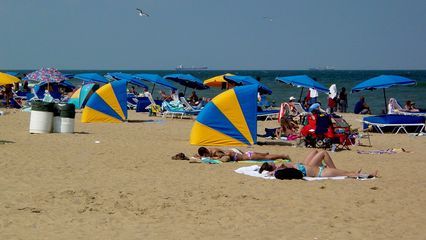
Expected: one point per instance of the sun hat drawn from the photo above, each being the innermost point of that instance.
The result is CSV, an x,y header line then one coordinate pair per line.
x,y
292,98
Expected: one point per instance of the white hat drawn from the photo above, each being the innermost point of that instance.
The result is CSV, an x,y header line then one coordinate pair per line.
x,y
292,98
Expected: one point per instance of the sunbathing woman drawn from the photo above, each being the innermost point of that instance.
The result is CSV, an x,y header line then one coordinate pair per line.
x,y
235,154
313,166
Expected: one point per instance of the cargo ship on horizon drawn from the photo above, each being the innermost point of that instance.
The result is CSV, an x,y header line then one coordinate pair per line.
x,y
181,68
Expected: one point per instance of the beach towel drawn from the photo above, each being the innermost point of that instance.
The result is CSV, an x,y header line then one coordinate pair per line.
x,y
387,151
254,172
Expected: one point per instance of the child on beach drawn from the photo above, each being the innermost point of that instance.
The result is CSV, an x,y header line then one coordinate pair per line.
x,y
316,164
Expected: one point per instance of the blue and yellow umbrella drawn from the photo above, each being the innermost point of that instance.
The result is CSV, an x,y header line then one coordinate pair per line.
x,y
107,104
228,120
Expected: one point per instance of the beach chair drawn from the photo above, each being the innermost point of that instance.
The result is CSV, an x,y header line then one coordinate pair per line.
x,y
267,114
188,106
169,110
132,101
300,110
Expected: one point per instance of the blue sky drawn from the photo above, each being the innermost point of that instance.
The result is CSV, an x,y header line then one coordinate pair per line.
x,y
220,34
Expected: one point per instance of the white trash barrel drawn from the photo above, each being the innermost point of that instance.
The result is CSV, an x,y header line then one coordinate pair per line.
x,y
63,120
41,117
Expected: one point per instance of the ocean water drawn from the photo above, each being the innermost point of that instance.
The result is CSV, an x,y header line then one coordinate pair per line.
x,y
342,78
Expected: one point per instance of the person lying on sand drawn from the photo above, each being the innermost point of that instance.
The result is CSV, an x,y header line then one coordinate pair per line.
x,y
313,166
235,154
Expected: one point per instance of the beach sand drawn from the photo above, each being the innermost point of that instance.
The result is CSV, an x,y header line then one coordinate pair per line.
x,y
117,181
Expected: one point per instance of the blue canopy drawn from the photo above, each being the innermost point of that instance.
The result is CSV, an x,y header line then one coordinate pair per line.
x,y
187,80
303,81
12,73
155,79
91,77
383,81
64,83
128,77
248,80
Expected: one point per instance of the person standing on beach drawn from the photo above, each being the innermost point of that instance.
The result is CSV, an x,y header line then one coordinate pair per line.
x,y
343,100
332,97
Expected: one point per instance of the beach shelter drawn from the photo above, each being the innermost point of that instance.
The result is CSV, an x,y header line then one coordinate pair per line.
x,y
383,81
107,104
80,96
229,119
155,79
303,81
91,77
8,79
187,80
219,81
248,80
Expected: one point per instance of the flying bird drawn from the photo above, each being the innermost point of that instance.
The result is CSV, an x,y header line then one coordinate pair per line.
x,y
142,13
268,19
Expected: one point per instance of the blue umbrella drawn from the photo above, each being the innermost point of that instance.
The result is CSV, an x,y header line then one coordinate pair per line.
x,y
383,81
91,77
128,77
12,73
303,81
248,80
187,80
155,79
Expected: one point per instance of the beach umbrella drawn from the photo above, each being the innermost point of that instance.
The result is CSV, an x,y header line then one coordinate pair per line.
x,y
80,96
128,77
303,81
91,77
155,79
383,81
229,119
46,75
248,80
107,104
8,79
187,80
219,81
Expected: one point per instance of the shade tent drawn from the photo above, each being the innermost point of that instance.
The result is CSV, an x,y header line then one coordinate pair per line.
x,y
91,77
8,79
128,77
303,81
229,119
64,83
107,104
187,80
383,81
155,79
80,96
219,81
248,80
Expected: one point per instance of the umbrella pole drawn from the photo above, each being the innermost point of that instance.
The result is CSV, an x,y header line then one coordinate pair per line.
x,y
384,95
184,91
152,91
300,96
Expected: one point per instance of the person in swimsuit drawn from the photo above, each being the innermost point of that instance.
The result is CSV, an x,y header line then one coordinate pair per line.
x,y
316,164
235,154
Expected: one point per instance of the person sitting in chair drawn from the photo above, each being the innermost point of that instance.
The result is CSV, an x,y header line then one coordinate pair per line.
x,y
361,107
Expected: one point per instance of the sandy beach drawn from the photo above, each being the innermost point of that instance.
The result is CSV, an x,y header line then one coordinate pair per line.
x,y
117,181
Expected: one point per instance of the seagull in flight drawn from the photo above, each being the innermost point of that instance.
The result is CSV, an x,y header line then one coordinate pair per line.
x,y
142,13
268,19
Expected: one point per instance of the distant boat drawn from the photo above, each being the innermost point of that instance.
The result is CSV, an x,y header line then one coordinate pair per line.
x,y
181,67
326,68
